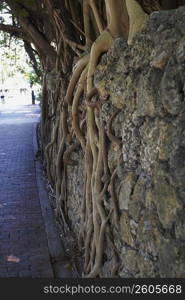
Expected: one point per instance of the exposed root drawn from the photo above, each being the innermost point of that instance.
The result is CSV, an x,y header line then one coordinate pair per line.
x,y
114,197
95,104
91,94
88,226
115,140
59,160
137,19
79,67
87,246
100,248
101,45
48,147
75,112
66,156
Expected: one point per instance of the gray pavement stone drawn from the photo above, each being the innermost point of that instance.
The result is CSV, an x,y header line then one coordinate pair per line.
x,y
23,241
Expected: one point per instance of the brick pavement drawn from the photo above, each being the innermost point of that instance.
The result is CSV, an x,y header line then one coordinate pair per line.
x,y
23,242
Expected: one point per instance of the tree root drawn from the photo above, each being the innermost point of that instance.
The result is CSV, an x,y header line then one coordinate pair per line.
x,y
137,19
114,197
49,145
59,168
102,44
66,156
81,64
75,113
95,104
115,140
99,254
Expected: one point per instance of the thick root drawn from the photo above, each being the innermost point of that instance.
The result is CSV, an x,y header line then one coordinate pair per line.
x,y
137,19
47,150
101,45
79,67
75,112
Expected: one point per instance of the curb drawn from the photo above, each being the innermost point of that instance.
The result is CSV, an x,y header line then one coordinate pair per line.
x,y
59,261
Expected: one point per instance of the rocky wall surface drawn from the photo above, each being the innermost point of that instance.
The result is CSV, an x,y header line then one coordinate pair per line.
x,y
146,85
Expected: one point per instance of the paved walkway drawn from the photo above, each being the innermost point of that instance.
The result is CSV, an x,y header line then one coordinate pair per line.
x,y
23,241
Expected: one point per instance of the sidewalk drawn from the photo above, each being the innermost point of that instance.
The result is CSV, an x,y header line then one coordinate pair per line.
x,y
28,243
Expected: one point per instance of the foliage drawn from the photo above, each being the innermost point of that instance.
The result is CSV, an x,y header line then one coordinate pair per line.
x,y
14,60
32,77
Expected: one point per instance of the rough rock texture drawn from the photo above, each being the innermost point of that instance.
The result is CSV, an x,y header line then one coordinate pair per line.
x,y
146,82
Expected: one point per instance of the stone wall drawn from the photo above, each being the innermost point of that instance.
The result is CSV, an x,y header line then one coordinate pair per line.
x,y
146,84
